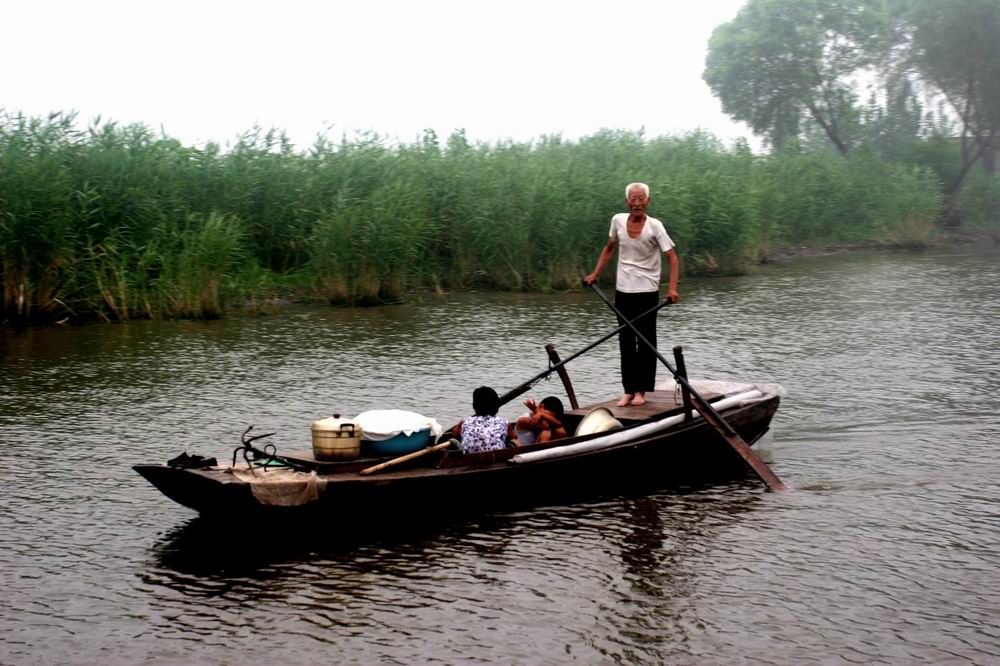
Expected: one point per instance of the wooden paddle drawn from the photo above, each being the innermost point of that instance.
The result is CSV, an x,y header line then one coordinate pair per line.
x,y
408,456
711,416
523,388
556,367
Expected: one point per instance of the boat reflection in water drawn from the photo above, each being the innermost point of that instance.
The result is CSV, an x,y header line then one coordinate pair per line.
x,y
658,541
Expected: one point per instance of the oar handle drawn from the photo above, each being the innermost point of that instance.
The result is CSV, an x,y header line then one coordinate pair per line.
x,y
629,324
526,386
523,388
703,405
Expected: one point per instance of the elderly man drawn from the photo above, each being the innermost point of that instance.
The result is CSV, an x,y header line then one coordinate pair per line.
x,y
640,240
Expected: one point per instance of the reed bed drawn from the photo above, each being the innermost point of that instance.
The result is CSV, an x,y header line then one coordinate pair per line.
x,y
119,222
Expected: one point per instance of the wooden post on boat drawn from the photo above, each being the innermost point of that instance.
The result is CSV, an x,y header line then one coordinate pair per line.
x,y
563,375
682,371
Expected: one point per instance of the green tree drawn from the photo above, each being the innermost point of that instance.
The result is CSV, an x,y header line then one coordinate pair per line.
x,y
955,46
780,62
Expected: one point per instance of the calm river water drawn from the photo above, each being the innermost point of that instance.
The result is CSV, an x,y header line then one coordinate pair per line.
x,y
886,551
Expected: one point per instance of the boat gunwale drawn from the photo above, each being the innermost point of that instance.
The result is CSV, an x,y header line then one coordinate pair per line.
x,y
506,454
496,460
452,458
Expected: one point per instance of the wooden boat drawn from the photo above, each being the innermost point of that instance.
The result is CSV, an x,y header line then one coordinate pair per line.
x,y
659,443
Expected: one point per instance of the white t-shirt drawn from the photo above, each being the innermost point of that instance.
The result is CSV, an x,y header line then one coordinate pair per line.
x,y
639,258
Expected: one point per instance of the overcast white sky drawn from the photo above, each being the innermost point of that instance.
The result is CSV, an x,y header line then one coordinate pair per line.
x,y
505,69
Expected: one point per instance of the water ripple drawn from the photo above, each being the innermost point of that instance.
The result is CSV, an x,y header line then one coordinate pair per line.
x,y
885,552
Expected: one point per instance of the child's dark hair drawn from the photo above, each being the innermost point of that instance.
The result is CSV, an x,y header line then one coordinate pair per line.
x,y
485,401
554,405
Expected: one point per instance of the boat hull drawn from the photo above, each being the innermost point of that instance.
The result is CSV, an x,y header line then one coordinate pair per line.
x,y
689,454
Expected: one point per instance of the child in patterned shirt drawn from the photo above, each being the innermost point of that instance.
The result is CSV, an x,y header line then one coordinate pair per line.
x,y
485,431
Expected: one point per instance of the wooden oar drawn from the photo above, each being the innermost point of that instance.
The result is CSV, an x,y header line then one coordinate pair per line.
x,y
408,456
523,388
555,367
711,416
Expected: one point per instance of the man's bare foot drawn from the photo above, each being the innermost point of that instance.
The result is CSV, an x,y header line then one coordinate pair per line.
x,y
639,399
626,400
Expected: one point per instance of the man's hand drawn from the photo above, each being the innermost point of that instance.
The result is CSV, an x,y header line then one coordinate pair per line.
x,y
606,253
672,296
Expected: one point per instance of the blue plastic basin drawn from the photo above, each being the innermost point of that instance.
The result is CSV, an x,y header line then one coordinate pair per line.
x,y
399,445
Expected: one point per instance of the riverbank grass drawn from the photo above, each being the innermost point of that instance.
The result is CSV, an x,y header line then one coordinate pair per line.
x,y
119,222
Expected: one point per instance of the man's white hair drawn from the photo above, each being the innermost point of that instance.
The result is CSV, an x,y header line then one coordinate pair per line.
x,y
637,186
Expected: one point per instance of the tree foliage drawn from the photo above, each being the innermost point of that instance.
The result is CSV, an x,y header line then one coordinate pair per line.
x,y
795,70
780,62
955,47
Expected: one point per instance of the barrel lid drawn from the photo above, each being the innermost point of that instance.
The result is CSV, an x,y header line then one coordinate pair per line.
x,y
335,422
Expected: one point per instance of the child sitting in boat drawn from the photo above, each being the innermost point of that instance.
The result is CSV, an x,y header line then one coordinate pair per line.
x,y
485,431
542,423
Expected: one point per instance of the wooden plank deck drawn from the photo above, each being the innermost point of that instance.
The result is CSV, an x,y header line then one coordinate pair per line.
x,y
657,404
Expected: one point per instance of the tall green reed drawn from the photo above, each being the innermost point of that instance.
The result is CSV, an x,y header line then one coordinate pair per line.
x,y
120,222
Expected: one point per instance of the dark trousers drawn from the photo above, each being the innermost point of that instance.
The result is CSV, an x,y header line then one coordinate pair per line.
x,y
638,360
